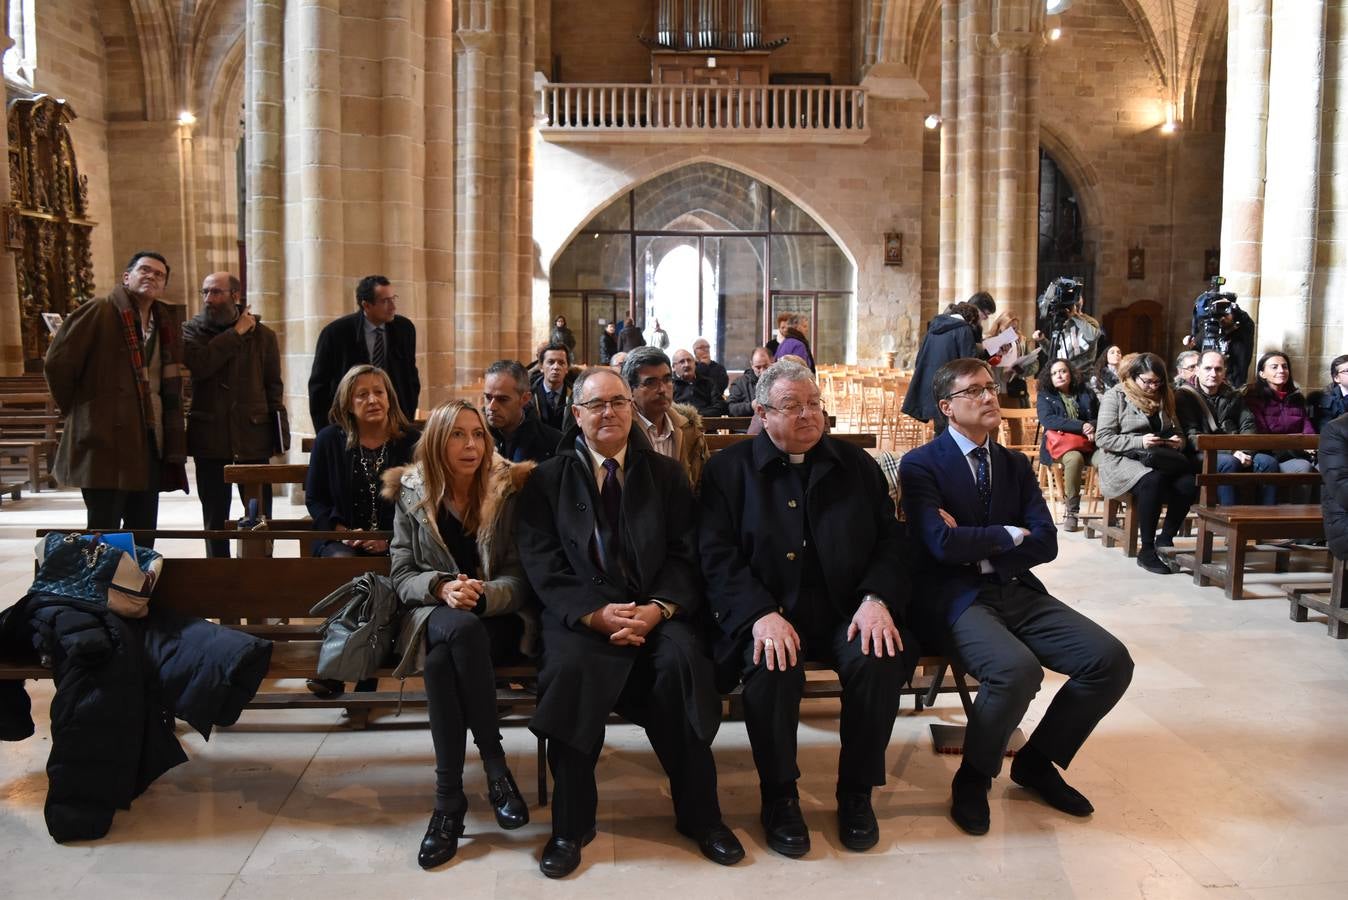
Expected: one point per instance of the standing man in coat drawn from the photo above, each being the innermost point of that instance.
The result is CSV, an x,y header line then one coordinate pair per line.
x,y
951,335
981,524
375,335
237,397
606,536
804,560
506,398
114,369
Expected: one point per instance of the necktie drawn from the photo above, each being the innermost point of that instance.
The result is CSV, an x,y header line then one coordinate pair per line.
x,y
611,493
377,358
982,476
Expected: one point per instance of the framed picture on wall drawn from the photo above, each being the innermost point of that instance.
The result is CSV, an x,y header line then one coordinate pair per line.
x,y
1137,263
894,248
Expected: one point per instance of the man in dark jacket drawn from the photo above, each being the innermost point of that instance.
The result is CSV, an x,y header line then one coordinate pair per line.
x,y
505,404
1332,402
237,397
951,335
550,387
804,560
741,401
606,536
696,390
1214,407
1333,460
115,370
630,338
720,378
376,335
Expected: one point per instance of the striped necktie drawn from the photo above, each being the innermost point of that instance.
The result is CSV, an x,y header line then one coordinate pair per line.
x,y
377,358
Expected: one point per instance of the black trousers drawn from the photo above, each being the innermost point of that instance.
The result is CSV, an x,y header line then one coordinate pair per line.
x,y
461,692
1006,639
870,702
215,498
1176,492
109,509
653,698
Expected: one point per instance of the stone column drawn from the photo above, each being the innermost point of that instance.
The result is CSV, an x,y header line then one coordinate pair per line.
x,y
1246,155
11,332
438,215
950,142
1292,189
264,110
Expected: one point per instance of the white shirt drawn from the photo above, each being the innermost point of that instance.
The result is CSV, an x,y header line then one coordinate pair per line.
x,y
967,447
661,443
597,464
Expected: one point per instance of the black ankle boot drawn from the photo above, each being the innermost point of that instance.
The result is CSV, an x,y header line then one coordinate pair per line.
x,y
511,810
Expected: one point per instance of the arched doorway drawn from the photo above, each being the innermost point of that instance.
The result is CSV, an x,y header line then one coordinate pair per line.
x,y
1062,228
708,251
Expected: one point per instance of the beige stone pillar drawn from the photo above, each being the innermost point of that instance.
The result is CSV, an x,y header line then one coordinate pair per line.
x,y
264,110
969,157
11,333
1292,188
950,141
437,322
1245,158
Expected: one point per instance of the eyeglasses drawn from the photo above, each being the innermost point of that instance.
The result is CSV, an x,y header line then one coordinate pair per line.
x,y
976,393
655,381
798,409
1149,382
617,404
214,292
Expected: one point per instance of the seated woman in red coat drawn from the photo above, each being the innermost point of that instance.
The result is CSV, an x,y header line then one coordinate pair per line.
x,y
1279,407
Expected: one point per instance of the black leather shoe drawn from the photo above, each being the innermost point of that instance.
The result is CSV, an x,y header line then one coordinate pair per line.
x,y
718,843
441,841
562,855
1045,780
325,688
785,827
857,828
511,810
1149,560
969,801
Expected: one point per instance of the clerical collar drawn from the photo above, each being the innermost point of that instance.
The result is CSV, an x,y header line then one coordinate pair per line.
x,y
796,458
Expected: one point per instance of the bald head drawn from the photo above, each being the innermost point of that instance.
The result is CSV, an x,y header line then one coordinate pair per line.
x,y
220,295
685,367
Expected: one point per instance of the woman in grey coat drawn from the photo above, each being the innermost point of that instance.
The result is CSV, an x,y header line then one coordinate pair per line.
x,y
1138,415
465,602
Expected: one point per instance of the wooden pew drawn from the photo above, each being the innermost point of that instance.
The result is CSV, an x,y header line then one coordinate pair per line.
x,y
1241,523
1324,598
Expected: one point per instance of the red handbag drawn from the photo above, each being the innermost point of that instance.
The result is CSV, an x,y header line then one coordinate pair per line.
x,y
1060,442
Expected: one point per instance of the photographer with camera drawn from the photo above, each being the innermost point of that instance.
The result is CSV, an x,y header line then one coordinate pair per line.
x,y
1220,324
1069,333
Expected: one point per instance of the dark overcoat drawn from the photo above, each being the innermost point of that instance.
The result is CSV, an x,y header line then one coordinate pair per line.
x,y
754,521
341,345
236,390
534,440
582,674
1333,460
948,337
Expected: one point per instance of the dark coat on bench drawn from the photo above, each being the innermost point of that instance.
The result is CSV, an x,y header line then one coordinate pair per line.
x,y
1333,458
557,521
119,685
752,523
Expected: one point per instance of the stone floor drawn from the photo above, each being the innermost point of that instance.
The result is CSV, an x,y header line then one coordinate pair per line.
x,y
1221,774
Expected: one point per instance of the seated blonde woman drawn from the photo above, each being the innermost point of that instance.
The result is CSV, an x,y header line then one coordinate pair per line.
x,y
465,603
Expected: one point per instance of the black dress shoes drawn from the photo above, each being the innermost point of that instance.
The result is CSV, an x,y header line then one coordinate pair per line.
x,y
1036,773
325,688
785,827
857,828
561,856
969,800
718,843
441,841
511,810
1150,560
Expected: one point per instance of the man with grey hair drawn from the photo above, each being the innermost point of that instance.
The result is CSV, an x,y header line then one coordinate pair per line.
x,y
710,368
1186,367
742,391
673,429
606,536
696,390
506,399
804,561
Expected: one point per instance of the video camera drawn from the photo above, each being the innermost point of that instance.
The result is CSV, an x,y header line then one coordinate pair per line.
x,y
1058,300
1211,307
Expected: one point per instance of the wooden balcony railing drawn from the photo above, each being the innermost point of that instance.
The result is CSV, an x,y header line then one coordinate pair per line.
x,y
674,112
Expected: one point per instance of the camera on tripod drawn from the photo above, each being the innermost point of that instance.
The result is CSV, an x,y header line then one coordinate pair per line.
x,y
1058,300
1211,309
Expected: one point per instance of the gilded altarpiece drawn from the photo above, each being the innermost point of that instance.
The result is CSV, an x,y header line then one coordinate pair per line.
x,y
46,222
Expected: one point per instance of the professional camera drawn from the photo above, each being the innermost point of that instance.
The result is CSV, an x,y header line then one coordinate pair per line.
x,y
1058,300
1211,307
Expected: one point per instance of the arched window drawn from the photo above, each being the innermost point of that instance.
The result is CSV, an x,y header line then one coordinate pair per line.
x,y
21,59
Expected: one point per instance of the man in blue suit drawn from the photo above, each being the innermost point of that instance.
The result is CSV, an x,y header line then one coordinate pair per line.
x,y
980,523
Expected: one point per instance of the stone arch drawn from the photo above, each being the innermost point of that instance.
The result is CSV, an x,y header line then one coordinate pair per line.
x,y
156,38
1079,171
790,188
1204,94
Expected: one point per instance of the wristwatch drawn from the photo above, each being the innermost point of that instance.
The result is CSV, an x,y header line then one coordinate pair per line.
x,y
666,612
874,599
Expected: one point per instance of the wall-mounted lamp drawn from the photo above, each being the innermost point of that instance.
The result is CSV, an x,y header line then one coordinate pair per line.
x,y
932,122
186,118
1054,34
1169,126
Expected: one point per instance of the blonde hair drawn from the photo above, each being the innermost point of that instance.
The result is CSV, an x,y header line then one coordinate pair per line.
x,y
430,457
342,413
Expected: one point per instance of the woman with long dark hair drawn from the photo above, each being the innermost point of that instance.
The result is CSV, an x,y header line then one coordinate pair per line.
x,y
467,607
1106,372
1141,450
1279,407
1066,405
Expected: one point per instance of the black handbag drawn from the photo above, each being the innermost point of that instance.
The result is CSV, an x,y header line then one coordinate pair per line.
x,y
359,635
87,567
1166,460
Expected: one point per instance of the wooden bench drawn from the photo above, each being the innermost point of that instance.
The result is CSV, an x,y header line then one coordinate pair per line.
x,y
1237,525
1325,598
31,436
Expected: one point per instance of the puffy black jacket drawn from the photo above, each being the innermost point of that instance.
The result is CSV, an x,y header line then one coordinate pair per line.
x,y
948,337
119,685
1333,461
1231,415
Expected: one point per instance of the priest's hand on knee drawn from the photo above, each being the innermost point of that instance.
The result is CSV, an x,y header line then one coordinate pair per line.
x,y
876,626
775,641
